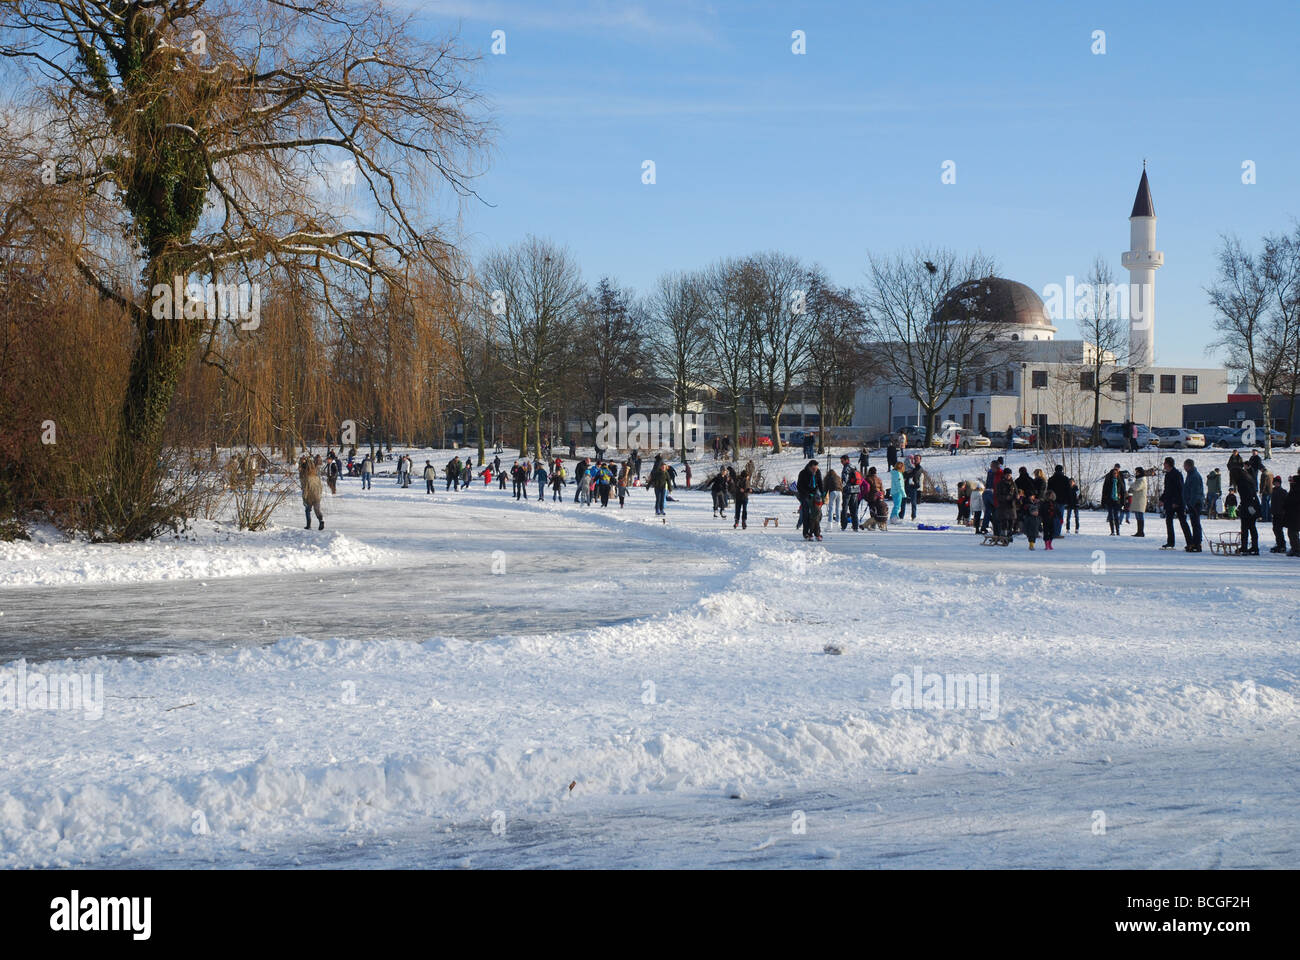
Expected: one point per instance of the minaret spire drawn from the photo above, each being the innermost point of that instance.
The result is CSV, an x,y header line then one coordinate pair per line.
x,y
1142,260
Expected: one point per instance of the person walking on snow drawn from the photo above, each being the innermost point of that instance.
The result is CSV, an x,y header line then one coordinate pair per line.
x,y
1113,495
1278,513
1137,495
659,481
913,479
1171,498
367,471
1247,511
309,481
1193,504
896,491
740,491
851,481
834,491
812,492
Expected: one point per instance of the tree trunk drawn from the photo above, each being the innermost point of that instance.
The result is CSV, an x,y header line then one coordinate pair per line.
x,y
821,418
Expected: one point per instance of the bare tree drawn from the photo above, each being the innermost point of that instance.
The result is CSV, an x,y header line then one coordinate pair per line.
x,y
838,359
1105,336
608,348
727,333
782,328
678,336
1256,300
202,130
478,362
535,290
930,342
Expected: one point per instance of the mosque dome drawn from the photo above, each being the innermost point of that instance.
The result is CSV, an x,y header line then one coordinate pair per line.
x,y
1013,306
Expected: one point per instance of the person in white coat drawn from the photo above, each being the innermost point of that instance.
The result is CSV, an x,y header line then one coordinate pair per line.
x,y
1137,495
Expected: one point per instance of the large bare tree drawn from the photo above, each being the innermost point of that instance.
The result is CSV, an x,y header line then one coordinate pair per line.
x,y
1256,300
728,334
781,328
927,342
1105,332
608,348
838,358
677,339
534,292
208,134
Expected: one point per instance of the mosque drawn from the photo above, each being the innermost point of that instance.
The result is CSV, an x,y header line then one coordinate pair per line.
x,y
1040,379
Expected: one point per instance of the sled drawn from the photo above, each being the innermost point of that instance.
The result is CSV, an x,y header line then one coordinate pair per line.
x,y
1227,545
776,522
990,540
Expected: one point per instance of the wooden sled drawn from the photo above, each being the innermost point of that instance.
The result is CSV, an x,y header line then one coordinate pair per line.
x,y
776,522
1227,545
990,540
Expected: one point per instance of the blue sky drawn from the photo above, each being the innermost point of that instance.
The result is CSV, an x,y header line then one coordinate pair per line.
x,y
839,151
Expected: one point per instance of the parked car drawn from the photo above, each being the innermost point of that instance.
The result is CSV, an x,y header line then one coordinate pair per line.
x,y
998,438
1179,437
1231,437
1112,435
967,439
915,435
1067,435
1214,435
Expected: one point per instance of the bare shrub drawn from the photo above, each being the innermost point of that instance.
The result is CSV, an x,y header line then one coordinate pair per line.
x,y
255,489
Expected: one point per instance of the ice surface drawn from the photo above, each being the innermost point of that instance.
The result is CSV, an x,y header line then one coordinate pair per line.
x,y
438,710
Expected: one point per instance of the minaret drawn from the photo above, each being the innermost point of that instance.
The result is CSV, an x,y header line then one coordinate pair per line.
x,y
1142,260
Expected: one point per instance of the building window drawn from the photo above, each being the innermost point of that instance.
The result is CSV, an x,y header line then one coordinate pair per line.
x,y
993,382
1119,382
979,383
1040,379
1189,384
1167,381
1015,336
1087,380
1146,383
1011,380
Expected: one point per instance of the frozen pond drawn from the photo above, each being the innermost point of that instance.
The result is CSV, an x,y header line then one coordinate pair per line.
x,y
495,569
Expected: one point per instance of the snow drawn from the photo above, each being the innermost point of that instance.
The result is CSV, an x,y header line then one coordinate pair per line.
x,y
402,704
208,550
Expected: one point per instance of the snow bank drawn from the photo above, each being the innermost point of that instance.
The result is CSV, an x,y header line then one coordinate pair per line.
x,y
209,551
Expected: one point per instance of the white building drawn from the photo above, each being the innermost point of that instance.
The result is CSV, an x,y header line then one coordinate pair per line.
x,y
1046,380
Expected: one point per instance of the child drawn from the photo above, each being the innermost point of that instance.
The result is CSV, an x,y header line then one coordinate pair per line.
x,y
963,504
1049,515
1230,504
975,497
1030,525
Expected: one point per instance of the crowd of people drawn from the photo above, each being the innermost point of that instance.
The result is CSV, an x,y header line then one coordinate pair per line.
x,y
999,507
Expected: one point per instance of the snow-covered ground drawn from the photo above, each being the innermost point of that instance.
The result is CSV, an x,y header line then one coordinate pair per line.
x,y
208,550
478,682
